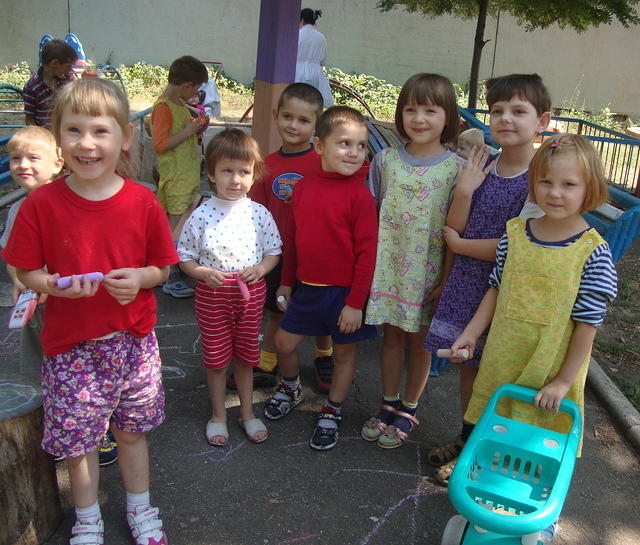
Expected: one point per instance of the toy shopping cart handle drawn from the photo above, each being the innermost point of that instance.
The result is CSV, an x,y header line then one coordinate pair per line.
x,y
527,395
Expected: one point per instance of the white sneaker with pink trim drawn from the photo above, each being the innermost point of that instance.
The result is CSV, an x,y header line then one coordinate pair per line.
x,y
146,527
87,534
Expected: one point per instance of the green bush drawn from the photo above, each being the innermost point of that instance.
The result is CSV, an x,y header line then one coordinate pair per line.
x,y
380,96
142,79
16,74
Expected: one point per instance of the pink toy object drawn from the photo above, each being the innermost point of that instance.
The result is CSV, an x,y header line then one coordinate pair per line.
x,y
65,282
24,309
244,290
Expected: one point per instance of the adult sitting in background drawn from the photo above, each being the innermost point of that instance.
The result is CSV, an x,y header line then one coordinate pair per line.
x,y
312,50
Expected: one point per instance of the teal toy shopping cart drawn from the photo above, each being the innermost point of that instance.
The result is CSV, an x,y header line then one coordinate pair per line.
x,y
511,478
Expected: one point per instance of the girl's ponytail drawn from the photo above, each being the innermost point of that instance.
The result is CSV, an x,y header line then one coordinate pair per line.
x,y
309,16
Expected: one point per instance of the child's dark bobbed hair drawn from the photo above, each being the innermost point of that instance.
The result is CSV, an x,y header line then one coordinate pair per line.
x,y
433,89
335,116
187,69
304,92
234,144
525,86
309,16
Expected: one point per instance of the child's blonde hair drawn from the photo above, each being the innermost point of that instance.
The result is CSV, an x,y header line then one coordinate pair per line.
x,y
33,134
234,144
430,89
471,137
588,158
95,97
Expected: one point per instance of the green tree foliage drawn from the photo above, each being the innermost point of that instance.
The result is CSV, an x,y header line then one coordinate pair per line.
x,y
531,14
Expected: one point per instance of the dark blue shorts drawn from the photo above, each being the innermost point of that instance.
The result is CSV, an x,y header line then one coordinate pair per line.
x,y
314,311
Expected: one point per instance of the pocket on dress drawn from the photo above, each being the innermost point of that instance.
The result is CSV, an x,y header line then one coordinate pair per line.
x,y
532,298
404,206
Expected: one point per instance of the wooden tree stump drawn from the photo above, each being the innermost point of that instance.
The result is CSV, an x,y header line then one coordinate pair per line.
x,y
30,509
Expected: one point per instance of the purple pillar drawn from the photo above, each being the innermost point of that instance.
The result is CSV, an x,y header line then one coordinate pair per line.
x,y
275,65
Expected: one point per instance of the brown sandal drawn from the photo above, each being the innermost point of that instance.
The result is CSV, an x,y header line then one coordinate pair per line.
x,y
439,456
443,473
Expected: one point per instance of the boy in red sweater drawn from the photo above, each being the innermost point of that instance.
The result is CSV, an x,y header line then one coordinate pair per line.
x,y
298,110
331,250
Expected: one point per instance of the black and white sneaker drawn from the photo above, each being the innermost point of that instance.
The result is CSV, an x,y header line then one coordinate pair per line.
x,y
282,402
107,450
325,438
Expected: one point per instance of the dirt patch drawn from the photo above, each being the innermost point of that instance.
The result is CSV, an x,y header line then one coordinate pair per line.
x,y
617,345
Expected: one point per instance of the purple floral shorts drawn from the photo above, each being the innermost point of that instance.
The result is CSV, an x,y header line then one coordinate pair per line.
x,y
97,383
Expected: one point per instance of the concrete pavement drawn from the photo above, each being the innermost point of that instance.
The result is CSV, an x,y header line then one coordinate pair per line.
x,y
281,492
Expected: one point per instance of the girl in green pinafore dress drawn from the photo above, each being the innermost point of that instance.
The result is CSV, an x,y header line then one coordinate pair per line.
x,y
553,279
413,186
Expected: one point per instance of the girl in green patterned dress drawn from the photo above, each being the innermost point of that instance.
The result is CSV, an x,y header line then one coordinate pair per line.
x,y
412,185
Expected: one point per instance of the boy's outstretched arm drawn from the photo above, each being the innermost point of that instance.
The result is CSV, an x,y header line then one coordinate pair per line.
x,y
552,394
18,287
478,324
470,177
480,248
161,120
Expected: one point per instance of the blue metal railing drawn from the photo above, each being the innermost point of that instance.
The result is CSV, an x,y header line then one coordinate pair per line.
x,y
619,152
5,176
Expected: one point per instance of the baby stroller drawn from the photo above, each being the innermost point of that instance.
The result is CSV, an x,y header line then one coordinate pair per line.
x,y
511,478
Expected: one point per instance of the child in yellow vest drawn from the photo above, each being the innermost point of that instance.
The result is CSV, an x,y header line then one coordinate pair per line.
x,y
174,133
549,289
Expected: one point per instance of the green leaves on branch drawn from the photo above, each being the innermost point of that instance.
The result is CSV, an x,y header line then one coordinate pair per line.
x,y
532,14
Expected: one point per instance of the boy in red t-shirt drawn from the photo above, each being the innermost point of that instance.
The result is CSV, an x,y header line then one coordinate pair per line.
x,y
330,257
298,109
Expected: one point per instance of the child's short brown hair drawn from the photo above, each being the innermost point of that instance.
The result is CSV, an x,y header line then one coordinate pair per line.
x,y
527,87
430,89
304,92
588,158
234,144
57,50
335,116
471,137
187,69
29,135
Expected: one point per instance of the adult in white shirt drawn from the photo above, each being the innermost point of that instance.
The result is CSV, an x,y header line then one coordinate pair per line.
x,y
312,50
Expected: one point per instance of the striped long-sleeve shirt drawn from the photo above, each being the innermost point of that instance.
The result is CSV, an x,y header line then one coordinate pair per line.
x,y
38,98
598,283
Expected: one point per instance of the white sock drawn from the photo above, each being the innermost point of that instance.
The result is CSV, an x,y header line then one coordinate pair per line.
x,y
89,515
136,500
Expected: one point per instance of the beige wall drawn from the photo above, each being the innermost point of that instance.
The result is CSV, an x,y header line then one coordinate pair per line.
x,y
597,68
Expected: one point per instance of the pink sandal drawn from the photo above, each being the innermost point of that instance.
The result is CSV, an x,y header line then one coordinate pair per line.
x,y
373,428
394,437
